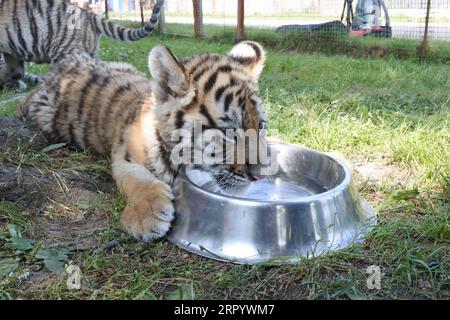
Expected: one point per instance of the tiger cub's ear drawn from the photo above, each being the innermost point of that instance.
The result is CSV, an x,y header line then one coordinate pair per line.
x,y
251,55
168,74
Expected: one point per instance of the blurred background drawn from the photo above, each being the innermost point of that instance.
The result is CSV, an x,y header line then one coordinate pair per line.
x,y
309,22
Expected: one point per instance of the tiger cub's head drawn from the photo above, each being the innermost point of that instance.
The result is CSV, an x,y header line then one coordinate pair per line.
x,y
213,102
10,76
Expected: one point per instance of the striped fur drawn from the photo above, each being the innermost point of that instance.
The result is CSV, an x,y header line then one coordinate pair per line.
x,y
114,110
44,31
30,78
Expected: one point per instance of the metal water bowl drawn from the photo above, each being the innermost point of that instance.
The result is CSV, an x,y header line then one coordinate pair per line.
x,y
309,207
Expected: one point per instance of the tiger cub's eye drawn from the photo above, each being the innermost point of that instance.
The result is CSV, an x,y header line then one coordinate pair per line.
x,y
262,125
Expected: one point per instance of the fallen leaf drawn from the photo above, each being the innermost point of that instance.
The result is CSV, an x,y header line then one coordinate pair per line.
x,y
21,244
7,266
54,265
185,292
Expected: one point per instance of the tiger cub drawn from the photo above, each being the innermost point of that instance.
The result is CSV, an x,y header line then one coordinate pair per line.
x,y
115,110
44,31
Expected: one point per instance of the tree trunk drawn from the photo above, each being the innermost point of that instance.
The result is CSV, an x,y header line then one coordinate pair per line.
x,y
106,9
240,22
198,18
162,21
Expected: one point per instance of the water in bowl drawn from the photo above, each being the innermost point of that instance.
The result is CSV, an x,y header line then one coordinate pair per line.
x,y
265,188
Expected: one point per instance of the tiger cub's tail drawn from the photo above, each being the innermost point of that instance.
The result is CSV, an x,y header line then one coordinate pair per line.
x,y
118,32
31,78
23,109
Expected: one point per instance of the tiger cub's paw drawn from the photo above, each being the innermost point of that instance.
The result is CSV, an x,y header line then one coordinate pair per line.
x,y
149,212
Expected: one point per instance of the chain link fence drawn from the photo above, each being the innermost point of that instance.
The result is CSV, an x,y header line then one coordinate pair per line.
x,y
406,17
420,22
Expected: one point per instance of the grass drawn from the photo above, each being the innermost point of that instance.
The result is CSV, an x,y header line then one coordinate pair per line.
x,y
390,111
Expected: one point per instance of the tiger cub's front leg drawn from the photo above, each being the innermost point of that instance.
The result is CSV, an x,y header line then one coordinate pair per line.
x,y
149,210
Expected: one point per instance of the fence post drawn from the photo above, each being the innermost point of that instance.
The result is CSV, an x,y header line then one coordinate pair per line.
x,y
240,23
162,20
198,18
424,47
106,9
141,6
